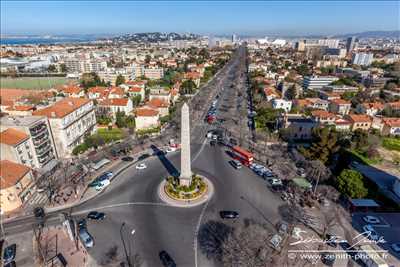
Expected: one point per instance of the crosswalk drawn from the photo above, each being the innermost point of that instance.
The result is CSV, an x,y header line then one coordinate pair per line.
x,y
38,199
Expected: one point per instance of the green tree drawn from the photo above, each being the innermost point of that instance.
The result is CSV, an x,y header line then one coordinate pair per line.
x,y
51,68
120,119
291,93
91,79
120,80
350,183
136,100
324,145
187,87
359,139
63,68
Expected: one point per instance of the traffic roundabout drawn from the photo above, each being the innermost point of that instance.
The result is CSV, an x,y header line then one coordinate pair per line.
x,y
200,191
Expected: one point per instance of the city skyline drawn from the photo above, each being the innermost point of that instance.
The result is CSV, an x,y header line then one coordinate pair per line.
x,y
256,18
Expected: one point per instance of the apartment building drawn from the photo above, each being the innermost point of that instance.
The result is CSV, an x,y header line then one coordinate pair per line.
x,y
362,122
362,59
16,185
146,118
278,103
153,73
28,140
339,106
71,119
75,65
115,105
317,82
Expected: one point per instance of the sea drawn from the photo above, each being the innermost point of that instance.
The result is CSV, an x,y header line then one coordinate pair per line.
x,y
44,41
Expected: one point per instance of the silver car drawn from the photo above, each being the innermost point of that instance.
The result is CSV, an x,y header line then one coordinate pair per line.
x,y
86,238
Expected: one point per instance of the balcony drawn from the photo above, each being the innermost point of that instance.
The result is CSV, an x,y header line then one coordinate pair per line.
x,y
41,141
41,151
38,129
39,135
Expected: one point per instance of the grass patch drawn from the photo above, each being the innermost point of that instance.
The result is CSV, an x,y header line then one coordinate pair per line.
x,y
391,143
110,135
363,158
32,82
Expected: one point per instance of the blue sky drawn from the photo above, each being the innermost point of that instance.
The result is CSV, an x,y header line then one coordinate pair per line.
x,y
205,17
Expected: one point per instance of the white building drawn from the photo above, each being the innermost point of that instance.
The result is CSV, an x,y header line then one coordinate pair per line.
x,y
278,103
146,118
71,119
317,82
27,140
331,43
114,105
362,59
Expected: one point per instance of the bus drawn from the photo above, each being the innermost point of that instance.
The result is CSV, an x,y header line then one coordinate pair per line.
x,y
244,156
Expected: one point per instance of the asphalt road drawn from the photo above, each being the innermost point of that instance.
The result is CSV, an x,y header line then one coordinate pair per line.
x,y
132,197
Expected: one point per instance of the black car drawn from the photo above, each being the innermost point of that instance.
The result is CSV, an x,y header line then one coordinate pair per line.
x,y
144,156
212,143
127,158
39,212
331,240
9,253
328,259
95,215
228,214
81,223
233,141
11,264
166,259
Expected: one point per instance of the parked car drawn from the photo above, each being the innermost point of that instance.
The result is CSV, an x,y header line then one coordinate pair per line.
x,y
102,184
166,259
81,223
233,141
127,158
141,166
9,253
143,156
331,240
236,164
86,238
228,214
370,232
212,143
38,212
97,216
328,258
10,264
170,149
275,181
371,219
396,247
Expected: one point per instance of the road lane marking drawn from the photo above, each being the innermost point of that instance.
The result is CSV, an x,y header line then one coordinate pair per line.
x,y
121,205
197,231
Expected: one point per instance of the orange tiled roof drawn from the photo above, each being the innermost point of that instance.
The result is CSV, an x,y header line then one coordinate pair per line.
x,y
322,114
395,105
11,173
340,102
341,121
114,102
146,112
157,103
391,122
359,118
12,137
117,91
135,89
62,108
374,105
72,89
22,108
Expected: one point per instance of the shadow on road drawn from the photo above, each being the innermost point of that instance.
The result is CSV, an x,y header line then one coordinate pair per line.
x,y
167,164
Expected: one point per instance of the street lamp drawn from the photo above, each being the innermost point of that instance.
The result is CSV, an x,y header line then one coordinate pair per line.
x,y
123,243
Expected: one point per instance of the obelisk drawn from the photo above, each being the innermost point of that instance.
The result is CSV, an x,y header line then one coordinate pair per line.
x,y
186,170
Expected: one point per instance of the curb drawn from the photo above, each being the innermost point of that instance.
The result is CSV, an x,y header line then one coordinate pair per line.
x,y
186,203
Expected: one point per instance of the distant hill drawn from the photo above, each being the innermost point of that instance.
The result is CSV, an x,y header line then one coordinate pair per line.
x,y
372,34
152,37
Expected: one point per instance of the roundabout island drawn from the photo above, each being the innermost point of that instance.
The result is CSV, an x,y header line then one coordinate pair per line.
x,y
188,189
